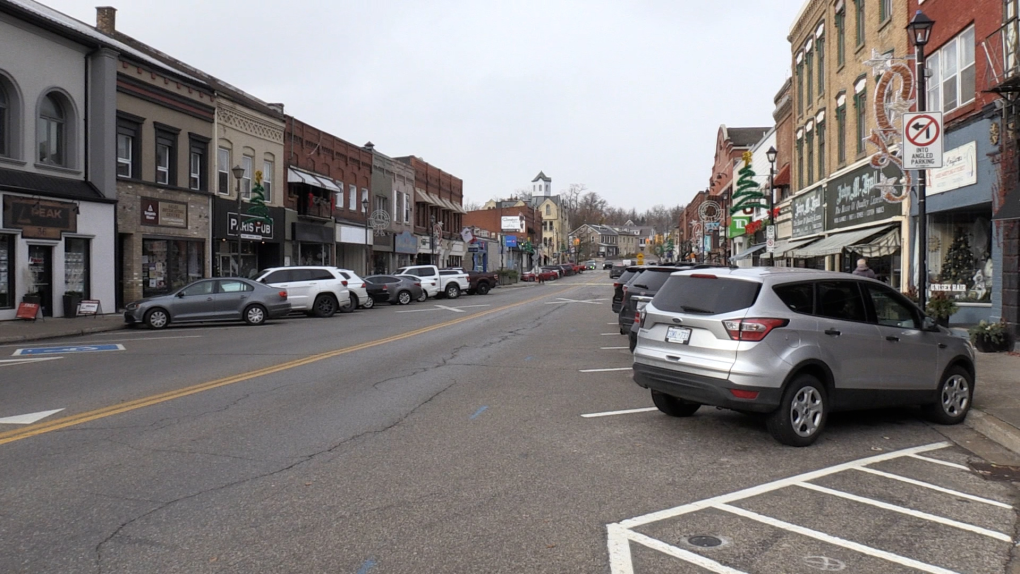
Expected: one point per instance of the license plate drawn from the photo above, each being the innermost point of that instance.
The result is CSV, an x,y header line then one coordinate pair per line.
x,y
680,335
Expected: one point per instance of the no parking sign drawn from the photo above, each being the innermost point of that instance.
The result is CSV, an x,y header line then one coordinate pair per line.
x,y
922,140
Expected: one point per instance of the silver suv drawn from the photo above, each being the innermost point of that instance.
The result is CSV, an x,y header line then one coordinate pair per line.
x,y
796,344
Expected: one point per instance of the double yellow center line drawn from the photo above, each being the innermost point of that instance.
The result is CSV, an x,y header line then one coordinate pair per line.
x,y
81,418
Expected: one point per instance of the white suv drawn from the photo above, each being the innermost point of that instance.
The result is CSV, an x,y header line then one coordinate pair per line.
x,y
319,291
359,293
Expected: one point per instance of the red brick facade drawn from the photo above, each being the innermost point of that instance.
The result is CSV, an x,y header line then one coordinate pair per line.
x,y
436,182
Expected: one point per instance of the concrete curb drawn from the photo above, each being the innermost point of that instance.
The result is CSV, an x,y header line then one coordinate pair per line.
x,y
994,429
61,334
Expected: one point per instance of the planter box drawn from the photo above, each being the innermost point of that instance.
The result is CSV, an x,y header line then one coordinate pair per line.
x,y
71,303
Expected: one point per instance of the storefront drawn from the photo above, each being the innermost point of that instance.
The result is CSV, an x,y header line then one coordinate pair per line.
x,y
243,246
405,245
962,252
312,243
456,256
426,255
352,247
383,258
52,248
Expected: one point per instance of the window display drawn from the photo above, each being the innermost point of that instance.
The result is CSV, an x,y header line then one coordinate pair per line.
x,y
6,271
76,266
168,264
315,254
960,256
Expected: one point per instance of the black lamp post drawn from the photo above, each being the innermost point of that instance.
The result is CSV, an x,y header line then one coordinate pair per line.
x,y
368,242
238,172
920,30
771,155
432,237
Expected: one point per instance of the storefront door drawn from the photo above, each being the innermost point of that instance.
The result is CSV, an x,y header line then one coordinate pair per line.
x,y
40,263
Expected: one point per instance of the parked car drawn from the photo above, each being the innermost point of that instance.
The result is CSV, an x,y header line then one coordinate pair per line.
x,y
797,344
359,294
590,265
621,282
394,289
554,269
568,269
607,265
480,282
617,269
224,299
645,284
319,291
450,284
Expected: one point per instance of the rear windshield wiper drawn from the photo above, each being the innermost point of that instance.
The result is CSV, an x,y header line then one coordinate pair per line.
x,y
695,310
639,286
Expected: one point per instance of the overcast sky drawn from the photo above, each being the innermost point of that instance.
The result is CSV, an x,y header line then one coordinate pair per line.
x,y
625,97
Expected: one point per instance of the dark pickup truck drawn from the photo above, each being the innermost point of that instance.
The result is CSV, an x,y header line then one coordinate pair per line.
x,y
480,282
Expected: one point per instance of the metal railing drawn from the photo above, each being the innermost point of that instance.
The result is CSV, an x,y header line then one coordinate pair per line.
x,y
1002,51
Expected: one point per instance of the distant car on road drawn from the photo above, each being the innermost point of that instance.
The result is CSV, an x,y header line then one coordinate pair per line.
x,y
394,289
607,265
223,299
617,269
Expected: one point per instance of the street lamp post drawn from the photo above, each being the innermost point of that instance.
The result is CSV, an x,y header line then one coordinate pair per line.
x,y
771,155
238,172
920,30
432,237
368,242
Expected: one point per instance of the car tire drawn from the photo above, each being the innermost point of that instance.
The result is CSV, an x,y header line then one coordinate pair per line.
x,y
623,330
452,291
255,315
423,297
157,318
633,341
482,289
802,413
955,395
351,304
369,303
673,406
404,297
324,306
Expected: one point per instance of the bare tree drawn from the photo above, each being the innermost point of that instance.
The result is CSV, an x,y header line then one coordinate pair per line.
x,y
472,205
590,209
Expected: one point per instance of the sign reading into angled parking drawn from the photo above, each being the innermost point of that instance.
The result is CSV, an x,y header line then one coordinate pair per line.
x,y
922,140
68,349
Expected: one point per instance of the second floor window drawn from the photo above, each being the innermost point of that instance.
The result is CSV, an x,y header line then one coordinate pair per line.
x,y
841,134
861,111
51,132
4,118
820,48
859,23
800,163
197,165
246,162
267,180
820,128
808,59
952,80
884,10
165,154
840,37
809,143
223,171
125,155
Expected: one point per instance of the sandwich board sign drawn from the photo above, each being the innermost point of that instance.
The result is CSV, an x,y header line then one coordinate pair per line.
x,y
922,140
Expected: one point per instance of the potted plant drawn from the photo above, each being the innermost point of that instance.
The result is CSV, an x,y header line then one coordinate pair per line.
x,y
71,301
990,337
32,294
940,307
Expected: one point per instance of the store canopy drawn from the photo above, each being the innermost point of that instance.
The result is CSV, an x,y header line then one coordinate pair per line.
x,y
783,246
836,242
748,252
435,200
315,180
885,245
424,197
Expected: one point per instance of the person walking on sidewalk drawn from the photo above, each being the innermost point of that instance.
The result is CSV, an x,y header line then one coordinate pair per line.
x,y
863,270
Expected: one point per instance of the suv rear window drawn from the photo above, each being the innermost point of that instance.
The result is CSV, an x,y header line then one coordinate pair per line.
x,y
651,279
705,296
627,276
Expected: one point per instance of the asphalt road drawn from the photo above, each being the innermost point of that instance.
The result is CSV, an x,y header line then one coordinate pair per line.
x,y
448,437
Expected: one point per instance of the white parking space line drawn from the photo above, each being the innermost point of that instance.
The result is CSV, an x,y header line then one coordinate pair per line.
x,y
626,412
934,487
604,370
942,462
454,309
608,334
25,361
563,300
613,348
908,512
445,308
108,342
620,534
828,538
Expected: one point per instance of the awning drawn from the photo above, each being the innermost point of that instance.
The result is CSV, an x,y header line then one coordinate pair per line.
x,y
314,180
446,204
783,177
435,200
881,247
423,197
748,252
836,242
783,246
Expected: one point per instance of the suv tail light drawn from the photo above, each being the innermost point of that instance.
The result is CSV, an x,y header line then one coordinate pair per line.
x,y
752,329
283,294
344,283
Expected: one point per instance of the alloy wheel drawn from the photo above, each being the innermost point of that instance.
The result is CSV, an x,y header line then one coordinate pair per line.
x,y
806,411
955,395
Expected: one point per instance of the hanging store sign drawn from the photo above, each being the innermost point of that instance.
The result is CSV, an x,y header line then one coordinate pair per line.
x,y
959,170
249,228
162,213
39,219
808,214
852,198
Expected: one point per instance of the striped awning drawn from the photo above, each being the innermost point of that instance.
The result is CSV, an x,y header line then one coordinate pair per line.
x,y
837,242
313,179
880,247
423,197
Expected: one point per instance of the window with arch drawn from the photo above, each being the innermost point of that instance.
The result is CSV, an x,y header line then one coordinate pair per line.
x,y
52,131
5,106
548,209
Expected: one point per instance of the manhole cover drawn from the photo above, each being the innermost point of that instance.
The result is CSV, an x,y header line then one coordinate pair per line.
x,y
705,541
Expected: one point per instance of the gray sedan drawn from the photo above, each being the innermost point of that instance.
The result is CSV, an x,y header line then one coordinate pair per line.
x,y
394,289
226,299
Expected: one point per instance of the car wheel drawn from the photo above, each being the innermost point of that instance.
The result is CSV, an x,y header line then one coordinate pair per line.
x,y
423,297
955,393
404,297
452,291
623,330
673,406
157,318
351,304
482,289
802,413
325,306
369,303
255,315
633,341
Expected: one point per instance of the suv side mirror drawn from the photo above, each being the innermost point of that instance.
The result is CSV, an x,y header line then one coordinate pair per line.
x,y
180,294
930,325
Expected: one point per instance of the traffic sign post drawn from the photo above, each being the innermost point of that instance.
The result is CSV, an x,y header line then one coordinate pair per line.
x,y
922,140
770,239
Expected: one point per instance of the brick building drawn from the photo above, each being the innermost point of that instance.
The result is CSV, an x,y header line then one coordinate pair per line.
x,y
516,254
730,145
438,212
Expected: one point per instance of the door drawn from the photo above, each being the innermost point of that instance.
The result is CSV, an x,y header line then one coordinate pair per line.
x,y
909,354
847,342
195,302
231,297
40,264
301,288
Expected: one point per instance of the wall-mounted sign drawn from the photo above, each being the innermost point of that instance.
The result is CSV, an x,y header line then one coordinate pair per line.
x,y
164,213
39,219
808,214
248,228
513,223
510,240
405,242
851,199
959,169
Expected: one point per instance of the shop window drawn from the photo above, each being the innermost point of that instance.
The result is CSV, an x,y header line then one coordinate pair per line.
x,y
169,264
952,80
6,271
52,131
227,259
960,256
77,266
314,254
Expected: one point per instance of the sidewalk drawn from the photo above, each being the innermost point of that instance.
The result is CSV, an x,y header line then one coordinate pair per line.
x,y
996,410
50,328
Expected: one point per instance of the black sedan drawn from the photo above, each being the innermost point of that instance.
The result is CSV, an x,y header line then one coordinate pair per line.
x,y
394,289
225,299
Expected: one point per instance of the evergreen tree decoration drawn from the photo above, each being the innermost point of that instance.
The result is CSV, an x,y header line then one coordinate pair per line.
x,y
958,264
257,210
748,194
